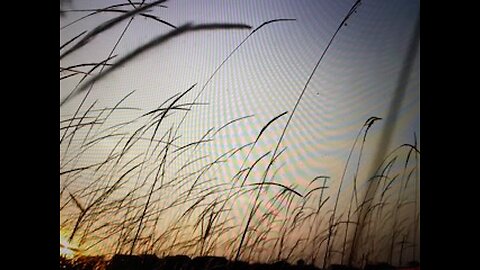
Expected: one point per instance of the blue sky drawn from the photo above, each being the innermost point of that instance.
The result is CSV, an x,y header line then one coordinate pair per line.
x,y
266,75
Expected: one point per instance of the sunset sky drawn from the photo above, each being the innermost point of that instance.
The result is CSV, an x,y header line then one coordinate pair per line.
x,y
264,78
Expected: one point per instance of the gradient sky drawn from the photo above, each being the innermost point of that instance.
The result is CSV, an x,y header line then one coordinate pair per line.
x,y
266,75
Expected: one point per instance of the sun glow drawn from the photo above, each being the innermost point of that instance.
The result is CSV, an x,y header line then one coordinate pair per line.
x,y
67,250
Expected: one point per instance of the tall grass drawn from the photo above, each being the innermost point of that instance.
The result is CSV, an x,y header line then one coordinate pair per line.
x,y
131,196
154,192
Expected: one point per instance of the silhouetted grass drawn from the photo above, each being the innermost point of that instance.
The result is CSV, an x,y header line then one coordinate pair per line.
x,y
155,192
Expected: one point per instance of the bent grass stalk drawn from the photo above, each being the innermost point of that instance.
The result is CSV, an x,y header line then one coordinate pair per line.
x,y
147,217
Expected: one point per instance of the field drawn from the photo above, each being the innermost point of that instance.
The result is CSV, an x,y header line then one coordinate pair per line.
x,y
138,184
